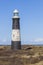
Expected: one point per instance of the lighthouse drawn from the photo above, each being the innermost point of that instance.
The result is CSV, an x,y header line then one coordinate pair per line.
x,y
16,38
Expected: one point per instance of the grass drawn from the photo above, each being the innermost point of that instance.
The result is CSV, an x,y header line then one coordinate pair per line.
x,y
28,55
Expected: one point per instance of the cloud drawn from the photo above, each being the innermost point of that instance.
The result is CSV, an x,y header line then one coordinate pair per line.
x,y
39,40
4,40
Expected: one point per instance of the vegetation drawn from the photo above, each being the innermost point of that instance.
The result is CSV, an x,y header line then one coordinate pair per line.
x,y
28,55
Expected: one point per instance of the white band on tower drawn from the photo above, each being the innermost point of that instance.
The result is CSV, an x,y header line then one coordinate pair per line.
x,y
15,35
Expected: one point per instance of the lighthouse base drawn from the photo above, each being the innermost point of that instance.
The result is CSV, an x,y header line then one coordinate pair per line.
x,y
15,45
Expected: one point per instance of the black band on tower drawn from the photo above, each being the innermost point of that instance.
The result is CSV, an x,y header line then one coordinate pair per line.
x,y
16,24
16,45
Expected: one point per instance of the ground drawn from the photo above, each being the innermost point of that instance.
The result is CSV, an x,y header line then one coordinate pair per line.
x,y
28,55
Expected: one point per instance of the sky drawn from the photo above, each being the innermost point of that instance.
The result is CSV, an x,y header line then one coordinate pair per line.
x,y
31,20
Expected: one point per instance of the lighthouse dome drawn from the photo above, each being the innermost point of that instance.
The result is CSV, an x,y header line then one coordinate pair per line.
x,y
15,11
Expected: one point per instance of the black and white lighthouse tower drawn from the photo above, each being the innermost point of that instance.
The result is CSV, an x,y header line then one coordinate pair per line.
x,y
16,39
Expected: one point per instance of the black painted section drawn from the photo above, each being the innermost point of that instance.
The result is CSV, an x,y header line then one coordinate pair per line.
x,y
16,45
16,23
